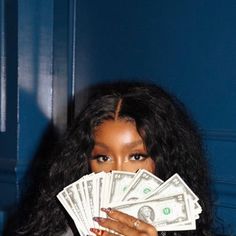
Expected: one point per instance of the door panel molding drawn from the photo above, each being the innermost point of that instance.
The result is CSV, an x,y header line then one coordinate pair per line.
x,y
219,134
2,68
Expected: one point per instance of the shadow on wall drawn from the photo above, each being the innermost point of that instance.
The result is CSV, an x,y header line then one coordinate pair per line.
x,y
37,137
38,140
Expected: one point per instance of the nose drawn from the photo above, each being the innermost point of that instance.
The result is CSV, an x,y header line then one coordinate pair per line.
x,y
119,165
123,166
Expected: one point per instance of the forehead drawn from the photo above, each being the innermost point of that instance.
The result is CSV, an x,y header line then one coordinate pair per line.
x,y
119,130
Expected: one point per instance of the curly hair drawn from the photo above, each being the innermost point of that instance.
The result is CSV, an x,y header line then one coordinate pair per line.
x,y
170,135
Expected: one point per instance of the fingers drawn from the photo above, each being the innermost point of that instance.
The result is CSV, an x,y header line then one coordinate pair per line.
x,y
130,221
124,224
115,225
100,232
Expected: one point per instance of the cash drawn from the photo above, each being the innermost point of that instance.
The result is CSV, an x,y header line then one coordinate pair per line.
x,y
168,206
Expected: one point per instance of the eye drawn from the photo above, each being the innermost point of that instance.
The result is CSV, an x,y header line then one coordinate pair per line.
x,y
138,156
101,158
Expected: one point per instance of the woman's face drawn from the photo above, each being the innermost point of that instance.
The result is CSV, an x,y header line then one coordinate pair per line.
x,y
118,146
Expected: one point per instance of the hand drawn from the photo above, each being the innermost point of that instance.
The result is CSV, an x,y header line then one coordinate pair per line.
x,y
123,224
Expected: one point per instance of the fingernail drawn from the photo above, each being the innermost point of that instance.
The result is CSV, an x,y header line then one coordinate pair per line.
x,y
97,231
98,219
107,210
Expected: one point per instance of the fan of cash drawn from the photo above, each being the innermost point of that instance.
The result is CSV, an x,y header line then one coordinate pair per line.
x,y
168,206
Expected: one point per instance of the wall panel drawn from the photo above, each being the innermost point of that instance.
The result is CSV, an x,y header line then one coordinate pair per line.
x,y
187,47
54,49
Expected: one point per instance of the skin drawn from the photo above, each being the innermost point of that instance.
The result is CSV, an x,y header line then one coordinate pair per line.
x,y
118,146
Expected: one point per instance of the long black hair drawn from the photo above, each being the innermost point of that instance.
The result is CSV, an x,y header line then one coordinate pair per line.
x,y
170,135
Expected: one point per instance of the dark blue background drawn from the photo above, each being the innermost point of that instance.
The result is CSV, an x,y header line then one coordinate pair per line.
x,y
57,48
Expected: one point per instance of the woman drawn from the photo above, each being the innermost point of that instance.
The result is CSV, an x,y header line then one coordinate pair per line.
x,y
124,126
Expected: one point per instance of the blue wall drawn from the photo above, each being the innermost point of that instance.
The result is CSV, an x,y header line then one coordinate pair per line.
x,y
189,47
59,47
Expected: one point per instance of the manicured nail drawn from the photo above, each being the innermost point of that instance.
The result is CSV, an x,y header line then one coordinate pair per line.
x,y
107,210
97,231
98,219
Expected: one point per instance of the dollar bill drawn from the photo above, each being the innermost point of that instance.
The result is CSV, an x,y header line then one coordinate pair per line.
x,y
66,202
85,202
187,226
162,213
119,183
141,186
90,197
105,189
100,191
79,193
173,185
64,199
191,225
169,205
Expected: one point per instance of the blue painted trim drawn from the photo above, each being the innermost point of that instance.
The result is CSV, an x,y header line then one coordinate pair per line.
x,y
11,176
2,222
3,69
7,170
226,192
221,135
10,168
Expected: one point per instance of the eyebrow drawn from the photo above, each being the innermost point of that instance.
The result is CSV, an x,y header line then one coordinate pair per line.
x,y
128,145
